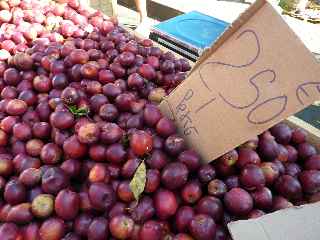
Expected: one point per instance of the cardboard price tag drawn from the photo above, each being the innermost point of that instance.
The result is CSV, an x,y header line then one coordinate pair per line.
x,y
257,74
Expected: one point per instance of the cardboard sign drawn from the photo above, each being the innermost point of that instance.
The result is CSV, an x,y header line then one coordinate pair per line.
x,y
257,74
294,223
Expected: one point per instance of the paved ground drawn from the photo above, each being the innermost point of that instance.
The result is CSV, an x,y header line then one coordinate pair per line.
x,y
130,17
308,32
225,10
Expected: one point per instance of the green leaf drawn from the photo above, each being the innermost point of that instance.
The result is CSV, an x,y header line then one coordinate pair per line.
x,y
78,112
82,111
72,109
138,181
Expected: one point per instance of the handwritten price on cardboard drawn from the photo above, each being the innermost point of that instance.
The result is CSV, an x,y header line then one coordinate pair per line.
x,y
253,77
182,111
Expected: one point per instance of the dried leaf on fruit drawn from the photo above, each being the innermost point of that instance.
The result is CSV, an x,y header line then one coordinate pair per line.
x,y
138,181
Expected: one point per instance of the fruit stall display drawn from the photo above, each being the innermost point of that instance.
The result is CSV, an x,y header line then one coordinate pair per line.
x,y
85,152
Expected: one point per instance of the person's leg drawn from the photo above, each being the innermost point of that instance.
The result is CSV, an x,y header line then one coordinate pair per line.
x,y
142,9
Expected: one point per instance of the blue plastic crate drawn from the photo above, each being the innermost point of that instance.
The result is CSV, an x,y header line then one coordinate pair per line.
x,y
189,33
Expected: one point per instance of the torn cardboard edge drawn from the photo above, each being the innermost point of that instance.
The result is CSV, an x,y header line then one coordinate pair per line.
x,y
295,223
